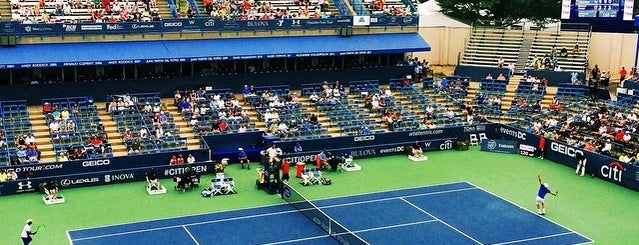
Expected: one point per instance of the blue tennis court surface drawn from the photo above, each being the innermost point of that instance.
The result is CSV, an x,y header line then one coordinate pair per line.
x,y
457,213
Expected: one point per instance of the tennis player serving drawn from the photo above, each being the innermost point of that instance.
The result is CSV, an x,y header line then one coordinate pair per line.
x,y
541,194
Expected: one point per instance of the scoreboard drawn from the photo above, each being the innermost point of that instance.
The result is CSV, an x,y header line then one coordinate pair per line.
x,y
602,15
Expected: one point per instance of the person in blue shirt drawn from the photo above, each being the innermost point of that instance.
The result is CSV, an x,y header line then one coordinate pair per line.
x,y
297,147
242,157
541,194
365,131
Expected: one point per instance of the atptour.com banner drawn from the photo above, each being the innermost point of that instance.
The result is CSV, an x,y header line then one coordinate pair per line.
x,y
376,151
101,178
604,167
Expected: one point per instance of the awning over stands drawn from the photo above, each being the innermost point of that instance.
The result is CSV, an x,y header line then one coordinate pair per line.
x,y
142,52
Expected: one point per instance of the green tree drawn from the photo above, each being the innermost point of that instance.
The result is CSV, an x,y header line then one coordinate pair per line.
x,y
502,12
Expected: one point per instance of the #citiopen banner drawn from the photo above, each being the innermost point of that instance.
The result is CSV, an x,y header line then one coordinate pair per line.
x,y
501,146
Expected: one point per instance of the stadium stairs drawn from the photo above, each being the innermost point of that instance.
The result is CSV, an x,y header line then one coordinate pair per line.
x,y
164,10
486,44
5,10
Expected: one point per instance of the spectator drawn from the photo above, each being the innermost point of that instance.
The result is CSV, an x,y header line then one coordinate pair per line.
x,y
173,160
190,158
622,75
243,158
180,159
135,146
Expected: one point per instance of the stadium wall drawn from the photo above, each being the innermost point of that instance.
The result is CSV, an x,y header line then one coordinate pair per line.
x,y
611,51
167,86
597,165
120,170
447,42
133,168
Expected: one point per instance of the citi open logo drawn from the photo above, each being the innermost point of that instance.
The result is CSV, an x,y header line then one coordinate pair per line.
x,y
613,171
491,144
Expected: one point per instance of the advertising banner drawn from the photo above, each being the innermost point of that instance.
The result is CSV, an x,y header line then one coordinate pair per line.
x,y
397,148
185,25
598,165
103,178
103,164
500,146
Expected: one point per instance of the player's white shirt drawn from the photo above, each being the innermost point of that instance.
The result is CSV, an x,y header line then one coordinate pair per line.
x,y
274,152
25,231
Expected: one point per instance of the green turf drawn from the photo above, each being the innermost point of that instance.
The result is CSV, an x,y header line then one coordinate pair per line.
x,y
595,208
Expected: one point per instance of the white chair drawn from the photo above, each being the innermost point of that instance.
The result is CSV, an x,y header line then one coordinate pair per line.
x,y
229,186
216,187
316,175
307,177
482,137
474,140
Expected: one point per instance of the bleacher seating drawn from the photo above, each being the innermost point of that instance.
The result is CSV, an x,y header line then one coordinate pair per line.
x,y
568,92
14,121
544,41
133,118
486,45
77,130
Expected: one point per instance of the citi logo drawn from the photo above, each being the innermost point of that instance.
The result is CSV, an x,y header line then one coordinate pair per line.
x,y
613,171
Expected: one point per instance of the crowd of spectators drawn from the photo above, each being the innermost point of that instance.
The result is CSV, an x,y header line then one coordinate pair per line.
x,y
601,129
265,10
211,111
395,8
74,11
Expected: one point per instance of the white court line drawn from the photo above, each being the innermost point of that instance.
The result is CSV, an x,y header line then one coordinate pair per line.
x,y
443,222
178,217
543,217
69,238
392,198
191,235
395,226
297,240
265,206
391,190
180,225
533,238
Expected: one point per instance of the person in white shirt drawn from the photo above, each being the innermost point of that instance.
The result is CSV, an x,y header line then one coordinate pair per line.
x,y
190,159
26,232
273,153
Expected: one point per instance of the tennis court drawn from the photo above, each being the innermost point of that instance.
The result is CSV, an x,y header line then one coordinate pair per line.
x,y
455,213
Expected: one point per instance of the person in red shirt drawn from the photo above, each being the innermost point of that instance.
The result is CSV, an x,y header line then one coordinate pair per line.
x,y
47,108
180,159
542,145
622,74
173,160
223,126
286,167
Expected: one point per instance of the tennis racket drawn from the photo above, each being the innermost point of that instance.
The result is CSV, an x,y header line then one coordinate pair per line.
x,y
40,228
556,193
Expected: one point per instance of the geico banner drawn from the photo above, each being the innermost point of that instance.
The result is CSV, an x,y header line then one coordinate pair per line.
x,y
375,150
500,146
394,138
103,164
102,178
603,167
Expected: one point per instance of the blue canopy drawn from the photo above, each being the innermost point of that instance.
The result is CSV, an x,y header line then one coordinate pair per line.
x,y
141,52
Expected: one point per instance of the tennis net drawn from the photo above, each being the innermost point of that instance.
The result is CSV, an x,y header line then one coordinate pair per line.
x,y
321,219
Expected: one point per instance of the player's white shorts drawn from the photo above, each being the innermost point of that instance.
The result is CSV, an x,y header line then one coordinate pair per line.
x,y
539,200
